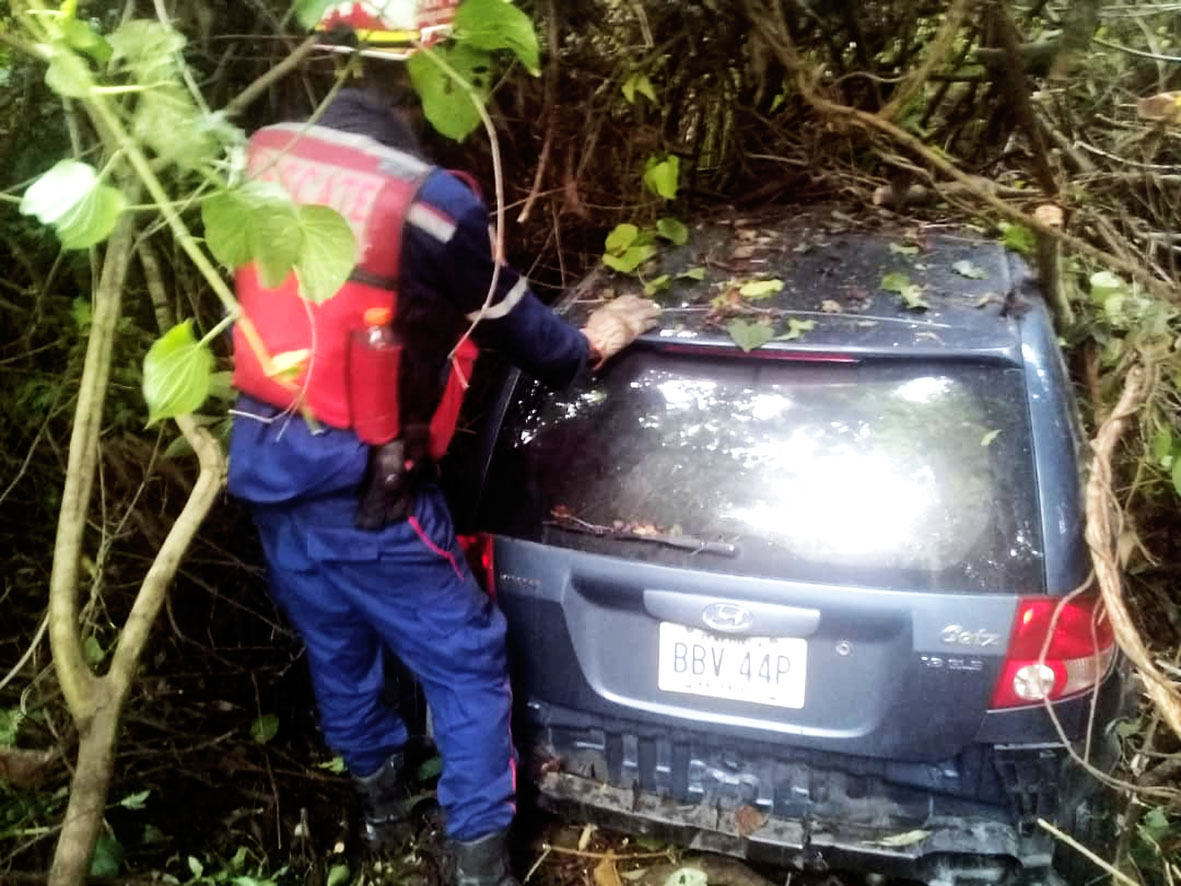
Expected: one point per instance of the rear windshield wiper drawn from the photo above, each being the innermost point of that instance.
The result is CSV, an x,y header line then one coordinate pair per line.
x,y
684,542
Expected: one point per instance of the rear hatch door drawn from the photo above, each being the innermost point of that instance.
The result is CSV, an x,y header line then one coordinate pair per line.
x,y
819,549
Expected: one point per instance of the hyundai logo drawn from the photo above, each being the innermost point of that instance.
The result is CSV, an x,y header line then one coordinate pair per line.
x,y
727,617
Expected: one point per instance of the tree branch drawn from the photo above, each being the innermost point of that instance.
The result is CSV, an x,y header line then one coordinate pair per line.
x,y
935,55
779,40
258,88
79,685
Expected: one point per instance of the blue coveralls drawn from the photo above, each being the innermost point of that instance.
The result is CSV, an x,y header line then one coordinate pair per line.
x,y
407,587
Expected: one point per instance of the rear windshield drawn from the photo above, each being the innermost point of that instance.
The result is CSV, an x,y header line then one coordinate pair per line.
x,y
896,475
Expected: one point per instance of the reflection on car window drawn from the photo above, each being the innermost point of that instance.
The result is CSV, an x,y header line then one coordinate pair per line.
x,y
907,475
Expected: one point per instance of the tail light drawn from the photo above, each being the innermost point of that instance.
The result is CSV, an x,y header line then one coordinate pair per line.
x,y
1079,650
478,551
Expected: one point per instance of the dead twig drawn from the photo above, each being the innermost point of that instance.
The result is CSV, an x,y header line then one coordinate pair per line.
x,y
1102,534
780,41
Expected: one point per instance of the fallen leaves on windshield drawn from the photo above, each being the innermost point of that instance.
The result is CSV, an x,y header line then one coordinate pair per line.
x,y
633,530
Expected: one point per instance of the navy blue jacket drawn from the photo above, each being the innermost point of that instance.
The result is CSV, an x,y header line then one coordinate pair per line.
x,y
446,259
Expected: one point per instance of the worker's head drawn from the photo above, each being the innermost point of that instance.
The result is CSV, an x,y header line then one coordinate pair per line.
x,y
379,101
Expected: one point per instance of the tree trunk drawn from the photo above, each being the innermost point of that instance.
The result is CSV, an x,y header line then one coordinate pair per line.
x,y
88,796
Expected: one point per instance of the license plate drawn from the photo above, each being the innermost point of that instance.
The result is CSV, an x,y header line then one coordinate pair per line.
x,y
764,670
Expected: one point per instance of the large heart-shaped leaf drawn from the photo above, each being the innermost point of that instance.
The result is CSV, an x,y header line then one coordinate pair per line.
x,y
71,199
621,237
747,335
69,75
177,373
662,175
328,254
148,49
255,223
447,105
673,230
309,12
496,24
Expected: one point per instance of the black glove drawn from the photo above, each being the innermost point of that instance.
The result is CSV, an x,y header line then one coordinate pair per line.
x,y
398,471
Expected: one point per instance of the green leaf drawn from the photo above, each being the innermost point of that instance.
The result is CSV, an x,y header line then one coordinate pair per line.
x,y
673,230
221,387
496,24
747,335
659,284
148,48
1017,238
912,294
136,801
1105,284
176,374
913,298
336,765
1176,475
756,290
967,269
638,83
71,199
1162,447
264,728
907,838
80,313
989,436
430,768
895,282
621,237
631,259
447,105
196,867
10,721
309,12
256,222
82,37
329,253
900,249
697,273
69,75
662,175
241,855
107,858
687,877
796,329
1155,824
339,875
226,216
168,121
92,651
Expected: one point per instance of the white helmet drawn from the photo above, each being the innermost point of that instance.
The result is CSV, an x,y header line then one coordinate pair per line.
x,y
389,28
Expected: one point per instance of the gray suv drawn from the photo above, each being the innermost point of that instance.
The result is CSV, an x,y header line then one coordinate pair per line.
x,y
791,603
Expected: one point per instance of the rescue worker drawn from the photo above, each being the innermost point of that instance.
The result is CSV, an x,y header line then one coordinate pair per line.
x,y
360,546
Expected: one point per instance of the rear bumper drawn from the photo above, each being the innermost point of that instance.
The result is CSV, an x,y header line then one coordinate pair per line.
x,y
977,850
973,816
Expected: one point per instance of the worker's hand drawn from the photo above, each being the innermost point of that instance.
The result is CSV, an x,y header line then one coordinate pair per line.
x,y
618,323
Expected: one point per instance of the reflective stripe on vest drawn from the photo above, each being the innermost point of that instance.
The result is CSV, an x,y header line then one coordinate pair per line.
x,y
373,187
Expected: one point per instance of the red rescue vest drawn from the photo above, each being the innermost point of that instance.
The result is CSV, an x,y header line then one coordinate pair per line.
x,y
373,187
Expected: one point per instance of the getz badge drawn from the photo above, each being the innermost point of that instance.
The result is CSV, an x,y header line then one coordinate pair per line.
x,y
958,635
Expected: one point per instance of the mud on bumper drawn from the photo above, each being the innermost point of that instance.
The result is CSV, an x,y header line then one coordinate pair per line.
x,y
966,821
956,851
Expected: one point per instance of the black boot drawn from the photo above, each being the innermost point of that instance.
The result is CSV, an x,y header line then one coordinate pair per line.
x,y
484,862
385,807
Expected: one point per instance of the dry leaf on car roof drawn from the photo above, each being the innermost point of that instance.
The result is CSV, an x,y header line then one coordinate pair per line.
x,y
605,873
747,820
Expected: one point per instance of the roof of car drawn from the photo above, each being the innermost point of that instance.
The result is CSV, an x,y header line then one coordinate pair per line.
x,y
840,284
